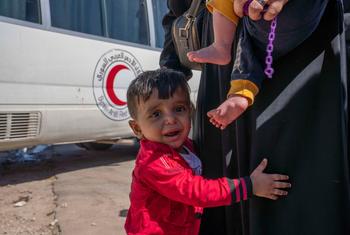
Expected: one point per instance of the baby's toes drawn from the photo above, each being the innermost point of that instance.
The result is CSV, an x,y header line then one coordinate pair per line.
x,y
190,55
215,123
211,113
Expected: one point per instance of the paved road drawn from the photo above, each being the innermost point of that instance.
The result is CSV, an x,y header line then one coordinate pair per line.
x,y
71,192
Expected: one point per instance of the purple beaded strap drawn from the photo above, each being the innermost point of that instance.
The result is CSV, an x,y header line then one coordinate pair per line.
x,y
269,48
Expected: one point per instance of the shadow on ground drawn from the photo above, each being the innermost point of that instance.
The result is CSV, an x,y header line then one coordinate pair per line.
x,y
63,158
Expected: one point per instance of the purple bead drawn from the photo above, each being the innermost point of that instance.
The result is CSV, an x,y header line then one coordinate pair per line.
x,y
268,60
269,48
269,72
246,7
274,23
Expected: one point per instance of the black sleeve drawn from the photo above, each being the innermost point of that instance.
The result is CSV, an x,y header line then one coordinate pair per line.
x,y
346,4
168,57
247,66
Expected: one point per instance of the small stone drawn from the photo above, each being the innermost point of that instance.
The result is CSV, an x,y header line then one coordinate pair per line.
x,y
50,213
53,223
20,204
22,198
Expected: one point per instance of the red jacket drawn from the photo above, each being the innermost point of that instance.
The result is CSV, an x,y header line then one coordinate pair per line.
x,y
165,194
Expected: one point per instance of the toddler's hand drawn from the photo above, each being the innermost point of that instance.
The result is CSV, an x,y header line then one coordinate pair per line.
x,y
268,185
228,111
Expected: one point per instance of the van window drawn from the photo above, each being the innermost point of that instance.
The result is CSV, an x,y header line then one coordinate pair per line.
x,y
118,19
28,10
127,20
160,8
78,15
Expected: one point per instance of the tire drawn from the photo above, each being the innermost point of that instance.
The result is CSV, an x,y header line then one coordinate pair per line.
x,y
94,146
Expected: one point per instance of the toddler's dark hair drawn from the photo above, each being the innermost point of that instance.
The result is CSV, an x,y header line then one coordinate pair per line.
x,y
166,81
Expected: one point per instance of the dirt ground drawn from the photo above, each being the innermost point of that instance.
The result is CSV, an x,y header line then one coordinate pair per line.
x,y
69,191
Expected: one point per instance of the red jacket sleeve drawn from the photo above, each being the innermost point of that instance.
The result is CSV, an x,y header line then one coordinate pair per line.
x,y
176,182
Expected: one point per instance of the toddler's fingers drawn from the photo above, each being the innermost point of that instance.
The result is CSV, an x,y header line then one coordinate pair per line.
x,y
280,192
278,177
277,184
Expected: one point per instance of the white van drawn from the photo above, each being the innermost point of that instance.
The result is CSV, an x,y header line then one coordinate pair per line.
x,y
65,66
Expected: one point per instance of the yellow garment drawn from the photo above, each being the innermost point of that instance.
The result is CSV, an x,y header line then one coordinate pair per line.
x,y
244,88
225,7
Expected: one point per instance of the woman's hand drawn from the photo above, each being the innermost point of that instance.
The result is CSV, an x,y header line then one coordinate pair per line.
x,y
256,7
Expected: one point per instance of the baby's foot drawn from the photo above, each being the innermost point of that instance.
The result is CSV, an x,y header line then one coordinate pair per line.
x,y
213,54
228,111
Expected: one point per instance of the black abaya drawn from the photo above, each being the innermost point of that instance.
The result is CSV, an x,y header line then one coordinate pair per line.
x,y
299,122
213,146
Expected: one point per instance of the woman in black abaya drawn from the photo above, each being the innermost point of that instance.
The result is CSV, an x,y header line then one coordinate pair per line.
x,y
298,121
213,146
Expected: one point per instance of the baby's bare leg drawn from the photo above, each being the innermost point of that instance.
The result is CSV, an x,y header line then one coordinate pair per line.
x,y
220,51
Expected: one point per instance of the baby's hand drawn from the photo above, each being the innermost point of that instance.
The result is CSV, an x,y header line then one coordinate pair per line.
x,y
268,185
228,111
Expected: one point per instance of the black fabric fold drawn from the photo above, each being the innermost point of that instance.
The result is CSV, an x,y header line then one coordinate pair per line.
x,y
299,122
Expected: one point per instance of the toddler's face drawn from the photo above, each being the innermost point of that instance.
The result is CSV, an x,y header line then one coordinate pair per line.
x,y
166,121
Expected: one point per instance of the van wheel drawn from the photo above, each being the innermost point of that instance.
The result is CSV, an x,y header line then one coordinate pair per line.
x,y
94,146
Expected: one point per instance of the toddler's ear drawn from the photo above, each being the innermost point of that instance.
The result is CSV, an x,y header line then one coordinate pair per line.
x,y
135,128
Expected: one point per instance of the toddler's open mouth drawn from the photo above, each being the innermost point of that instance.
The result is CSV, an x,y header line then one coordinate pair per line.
x,y
172,133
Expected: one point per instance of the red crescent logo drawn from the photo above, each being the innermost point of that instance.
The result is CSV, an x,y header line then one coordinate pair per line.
x,y
110,84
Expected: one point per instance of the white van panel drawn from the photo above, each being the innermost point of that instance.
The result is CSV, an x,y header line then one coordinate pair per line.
x,y
53,74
